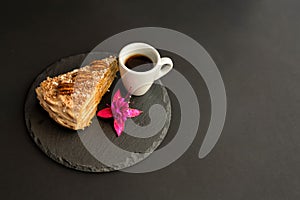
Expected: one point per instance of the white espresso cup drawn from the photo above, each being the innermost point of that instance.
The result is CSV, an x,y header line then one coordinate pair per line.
x,y
139,82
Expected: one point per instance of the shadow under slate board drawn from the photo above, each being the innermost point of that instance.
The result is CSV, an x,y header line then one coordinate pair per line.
x,y
97,148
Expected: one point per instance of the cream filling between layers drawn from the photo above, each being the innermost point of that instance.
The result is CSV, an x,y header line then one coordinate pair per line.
x,y
90,108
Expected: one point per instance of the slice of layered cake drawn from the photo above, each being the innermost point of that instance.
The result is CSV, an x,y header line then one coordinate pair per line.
x,y
71,99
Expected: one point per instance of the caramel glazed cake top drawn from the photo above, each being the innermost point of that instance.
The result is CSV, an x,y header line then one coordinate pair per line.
x,y
72,90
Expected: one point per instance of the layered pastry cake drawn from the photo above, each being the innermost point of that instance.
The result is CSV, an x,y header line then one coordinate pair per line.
x,y
71,99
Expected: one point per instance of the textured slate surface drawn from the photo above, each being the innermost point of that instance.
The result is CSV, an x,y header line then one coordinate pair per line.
x,y
84,150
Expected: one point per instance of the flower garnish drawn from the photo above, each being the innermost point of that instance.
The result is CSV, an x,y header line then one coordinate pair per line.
x,y
120,111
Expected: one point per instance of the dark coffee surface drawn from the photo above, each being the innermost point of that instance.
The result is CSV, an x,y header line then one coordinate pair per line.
x,y
139,63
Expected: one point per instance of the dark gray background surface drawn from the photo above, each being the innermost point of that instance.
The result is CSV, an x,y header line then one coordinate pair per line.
x,y
255,44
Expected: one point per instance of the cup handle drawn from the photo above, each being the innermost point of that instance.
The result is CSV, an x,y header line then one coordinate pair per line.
x,y
166,64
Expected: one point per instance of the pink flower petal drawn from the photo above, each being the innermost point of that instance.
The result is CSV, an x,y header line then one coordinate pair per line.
x,y
117,95
119,127
133,112
120,111
105,113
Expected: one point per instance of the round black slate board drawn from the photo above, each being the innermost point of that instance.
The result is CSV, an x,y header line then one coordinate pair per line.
x,y
97,149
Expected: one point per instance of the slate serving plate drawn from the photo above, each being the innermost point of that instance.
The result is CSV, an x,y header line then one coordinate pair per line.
x,y
96,148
